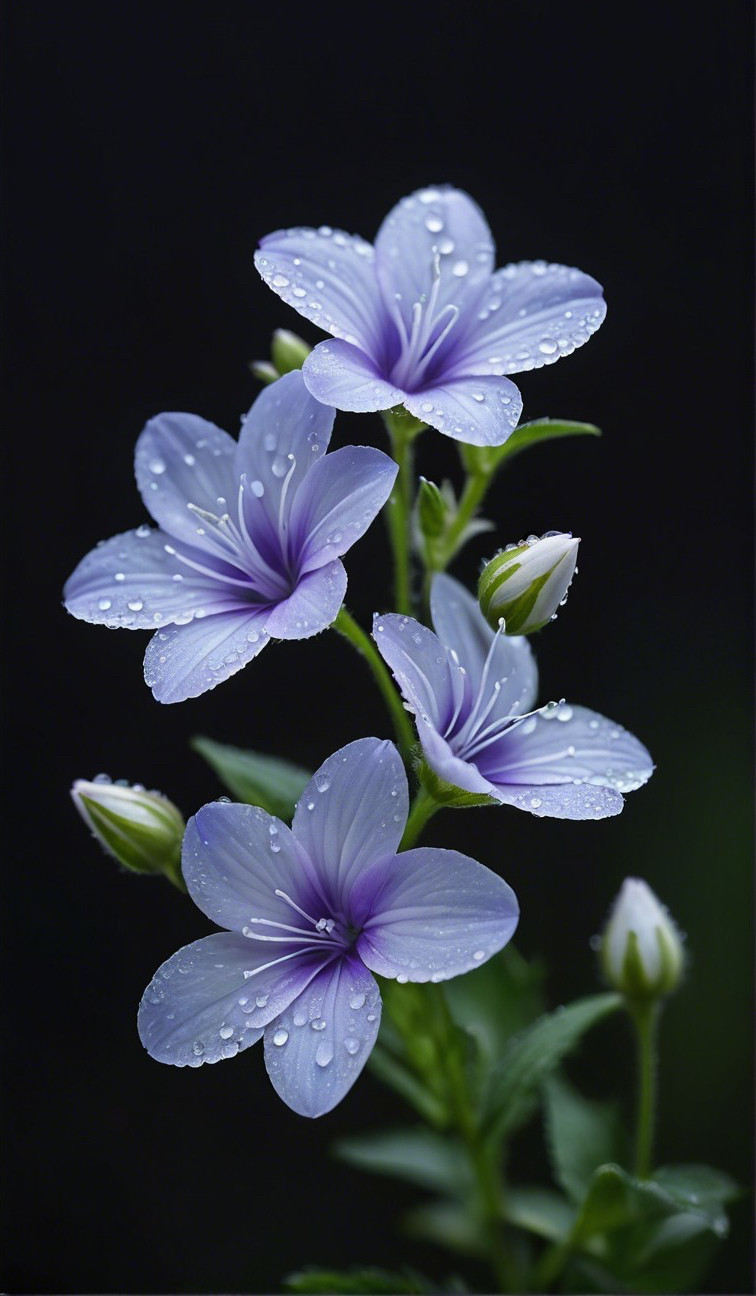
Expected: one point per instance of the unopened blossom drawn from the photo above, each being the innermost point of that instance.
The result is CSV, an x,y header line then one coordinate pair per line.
x,y
422,319
641,950
310,914
472,691
526,583
141,830
249,538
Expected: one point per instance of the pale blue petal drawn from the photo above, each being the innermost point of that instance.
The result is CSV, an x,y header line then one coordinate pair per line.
x,y
212,999
235,858
317,1047
565,802
353,812
312,605
568,744
437,224
532,314
346,377
460,625
431,914
131,581
342,495
181,459
479,411
282,437
420,666
329,277
187,660
450,768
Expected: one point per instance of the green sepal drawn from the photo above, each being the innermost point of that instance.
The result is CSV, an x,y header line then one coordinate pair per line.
x,y
401,423
267,781
434,509
453,798
486,460
511,1092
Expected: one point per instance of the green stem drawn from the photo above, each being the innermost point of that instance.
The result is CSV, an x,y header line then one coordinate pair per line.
x,y
346,625
646,1019
402,432
423,807
439,554
485,1169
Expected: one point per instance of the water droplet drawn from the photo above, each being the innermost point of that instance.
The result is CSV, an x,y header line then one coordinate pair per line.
x,y
434,224
120,576
322,782
280,1037
402,979
157,466
261,1000
142,531
318,1024
564,713
198,1048
104,604
226,1032
547,346
279,281
460,269
357,1001
351,1045
189,460
278,466
536,802
323,1054
478,955
135,605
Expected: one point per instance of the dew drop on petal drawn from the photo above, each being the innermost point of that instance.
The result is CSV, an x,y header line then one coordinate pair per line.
x,y
323,1054
226,1032
280,1037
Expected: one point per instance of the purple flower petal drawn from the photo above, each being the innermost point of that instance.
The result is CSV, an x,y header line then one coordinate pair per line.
x,y
181,459
213,998
342,375
479,411
438,224
531,315
235,858
131,581
341,497
317,1047
566,745
328,277
565,802
353,811
282,437
184,661
312,605
432,914
460,625
420,666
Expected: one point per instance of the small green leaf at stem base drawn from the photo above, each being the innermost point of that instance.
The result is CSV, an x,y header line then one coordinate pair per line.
x,y
254,778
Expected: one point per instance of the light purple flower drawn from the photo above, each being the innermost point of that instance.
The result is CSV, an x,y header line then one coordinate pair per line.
x,y
423,320
472,691
249,538
311,912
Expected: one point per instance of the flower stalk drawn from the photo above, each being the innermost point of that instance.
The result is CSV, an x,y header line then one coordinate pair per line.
x,y
646,1015
402,431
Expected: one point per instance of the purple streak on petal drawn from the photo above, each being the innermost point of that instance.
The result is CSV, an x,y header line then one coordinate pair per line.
x,y
566,802
567,744
317,1047
437,223
346,377
187,660
431,914
531,315
341,497
460,625
479,411
283,436
181,459
328,277
353,812
130,581
214,998
420,666
313,604
449,767
234,858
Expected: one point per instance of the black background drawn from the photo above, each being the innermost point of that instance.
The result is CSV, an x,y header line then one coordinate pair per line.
x,y
147,149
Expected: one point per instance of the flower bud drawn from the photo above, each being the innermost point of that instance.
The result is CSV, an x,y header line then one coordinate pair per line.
x,y
641,950
288,351
142,830
526,583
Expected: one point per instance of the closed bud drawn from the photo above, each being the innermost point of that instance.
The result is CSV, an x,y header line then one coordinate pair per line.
x,y
434,509
641,950
526,583
288,351
142,830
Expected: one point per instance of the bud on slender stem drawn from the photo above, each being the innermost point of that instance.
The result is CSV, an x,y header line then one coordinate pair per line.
x,y
526,583
641,950
142,830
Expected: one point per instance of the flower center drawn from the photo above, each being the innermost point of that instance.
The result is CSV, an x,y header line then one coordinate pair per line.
x,y
477,732
325,931
428,330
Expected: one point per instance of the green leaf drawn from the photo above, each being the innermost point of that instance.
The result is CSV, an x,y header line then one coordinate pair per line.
x,y
355,1282
699,1187
267,781
448,1224
485,460
511,1091
539,1210
581,1135
496,1000
418,1155
399,1078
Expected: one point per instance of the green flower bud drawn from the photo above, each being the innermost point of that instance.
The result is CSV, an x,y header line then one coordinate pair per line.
x,y
434,508
142,830
641,950
526,583
288,352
